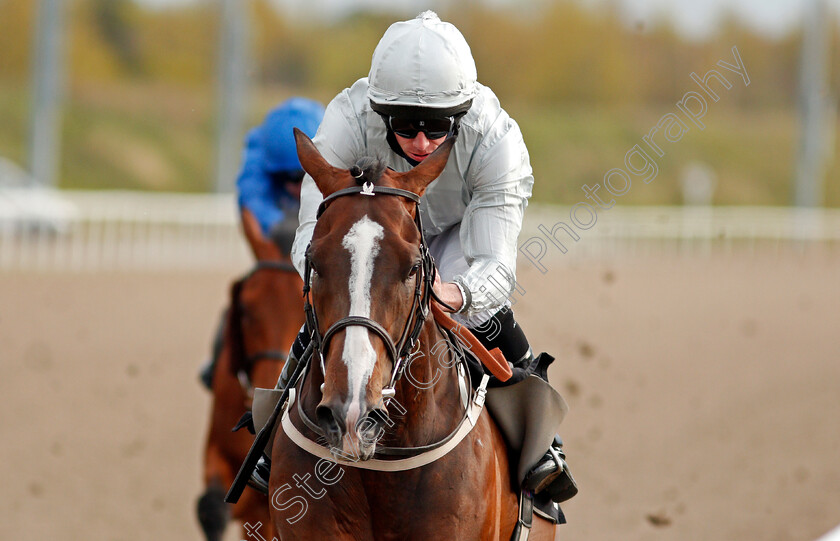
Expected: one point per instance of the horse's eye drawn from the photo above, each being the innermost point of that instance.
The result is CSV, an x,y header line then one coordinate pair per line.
x,y
414,270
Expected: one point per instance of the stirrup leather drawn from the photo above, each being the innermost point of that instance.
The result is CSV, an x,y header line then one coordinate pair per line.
x,y
525,520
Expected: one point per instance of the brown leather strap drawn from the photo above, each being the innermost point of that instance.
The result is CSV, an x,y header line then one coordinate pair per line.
x,y
497,366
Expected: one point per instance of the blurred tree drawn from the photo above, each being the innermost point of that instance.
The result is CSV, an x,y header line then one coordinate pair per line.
x,y
17,19
180,44
573,73
279,50
113,19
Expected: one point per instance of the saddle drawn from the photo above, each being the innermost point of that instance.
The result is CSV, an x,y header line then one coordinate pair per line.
x,y
526,408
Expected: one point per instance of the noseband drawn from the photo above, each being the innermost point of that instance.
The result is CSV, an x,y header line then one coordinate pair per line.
x,y
400,353
402,349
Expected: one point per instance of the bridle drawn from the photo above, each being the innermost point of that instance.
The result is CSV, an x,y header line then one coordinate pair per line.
x,y
399,351
247,362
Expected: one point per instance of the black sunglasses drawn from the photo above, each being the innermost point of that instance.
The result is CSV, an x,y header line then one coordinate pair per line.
x,y
434,128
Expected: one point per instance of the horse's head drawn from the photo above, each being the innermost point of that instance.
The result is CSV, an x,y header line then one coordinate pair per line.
x,y
367,264
265,310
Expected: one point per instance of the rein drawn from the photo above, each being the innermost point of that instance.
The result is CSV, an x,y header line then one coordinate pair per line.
x,y
247,362
399,352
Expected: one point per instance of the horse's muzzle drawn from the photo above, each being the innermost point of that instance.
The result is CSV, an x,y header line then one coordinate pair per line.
x,y
357,444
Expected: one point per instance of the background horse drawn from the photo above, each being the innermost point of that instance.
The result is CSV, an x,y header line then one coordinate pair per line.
x,y
262,321
367,263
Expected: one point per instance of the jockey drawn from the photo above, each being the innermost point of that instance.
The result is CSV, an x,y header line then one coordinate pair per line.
x,y
269,181
421,89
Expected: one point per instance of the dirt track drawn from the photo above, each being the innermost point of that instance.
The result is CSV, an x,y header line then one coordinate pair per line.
x,y
704,393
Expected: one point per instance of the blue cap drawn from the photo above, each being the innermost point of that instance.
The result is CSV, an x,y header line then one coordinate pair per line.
x,y
277,134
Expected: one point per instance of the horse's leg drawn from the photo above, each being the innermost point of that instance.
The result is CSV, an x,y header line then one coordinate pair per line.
x,y
252,511
213,512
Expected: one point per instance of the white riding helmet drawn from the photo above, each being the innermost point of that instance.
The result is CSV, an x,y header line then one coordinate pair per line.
x,y
421,64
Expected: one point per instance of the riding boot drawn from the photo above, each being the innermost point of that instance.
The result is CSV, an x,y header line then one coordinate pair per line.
x,y
503,332
551,473
209,367
259,477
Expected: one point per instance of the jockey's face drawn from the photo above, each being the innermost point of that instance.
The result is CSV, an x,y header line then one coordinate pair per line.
x,y
418,147
290,181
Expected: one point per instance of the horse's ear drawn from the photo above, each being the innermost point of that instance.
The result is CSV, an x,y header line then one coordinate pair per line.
x,y
428,170
329,179
262,247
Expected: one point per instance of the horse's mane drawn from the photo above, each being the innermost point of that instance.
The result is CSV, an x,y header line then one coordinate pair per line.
x,y
234,330
367,169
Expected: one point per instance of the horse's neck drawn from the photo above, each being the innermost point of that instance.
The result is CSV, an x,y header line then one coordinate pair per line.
x,y
428,394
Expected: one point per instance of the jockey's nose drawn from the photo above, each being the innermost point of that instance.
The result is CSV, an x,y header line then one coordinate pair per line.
x,y
421,142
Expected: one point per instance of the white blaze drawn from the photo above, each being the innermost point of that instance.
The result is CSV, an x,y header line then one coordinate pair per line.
x,y
362,241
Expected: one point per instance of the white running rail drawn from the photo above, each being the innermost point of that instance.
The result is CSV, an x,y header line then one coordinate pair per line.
x,y
130,231
142,231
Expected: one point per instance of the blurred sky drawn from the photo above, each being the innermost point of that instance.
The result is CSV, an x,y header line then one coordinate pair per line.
x,y
695,18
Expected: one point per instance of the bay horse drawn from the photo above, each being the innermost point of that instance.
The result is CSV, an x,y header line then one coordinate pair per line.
x,y
370,288
263,318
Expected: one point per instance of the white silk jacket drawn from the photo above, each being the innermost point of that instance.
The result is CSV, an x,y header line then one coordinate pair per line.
x,y
485,186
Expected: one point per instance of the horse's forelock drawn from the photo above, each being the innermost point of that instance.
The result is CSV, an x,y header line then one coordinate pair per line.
x,y
367,169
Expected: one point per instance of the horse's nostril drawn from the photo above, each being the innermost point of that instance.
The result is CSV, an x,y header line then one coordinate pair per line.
x,y
327,421
371,427
380,417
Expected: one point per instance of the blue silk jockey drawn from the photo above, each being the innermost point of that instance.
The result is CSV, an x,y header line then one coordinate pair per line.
x,y
270,180
422,89
269,183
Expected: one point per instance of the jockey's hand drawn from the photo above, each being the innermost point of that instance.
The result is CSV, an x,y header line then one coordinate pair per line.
x,y
448,293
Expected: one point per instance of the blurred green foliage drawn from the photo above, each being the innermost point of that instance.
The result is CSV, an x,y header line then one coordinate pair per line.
x,y
584,85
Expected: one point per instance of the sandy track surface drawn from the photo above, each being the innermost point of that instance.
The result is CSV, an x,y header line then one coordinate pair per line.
x,y
704,394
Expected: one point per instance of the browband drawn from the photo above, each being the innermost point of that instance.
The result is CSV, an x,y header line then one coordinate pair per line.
x,y
367,189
